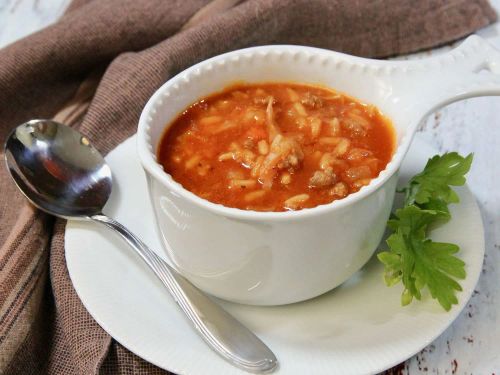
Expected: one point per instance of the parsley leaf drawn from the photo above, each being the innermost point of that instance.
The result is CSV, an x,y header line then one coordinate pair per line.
x,y
420,262
434,182
414,259
439,206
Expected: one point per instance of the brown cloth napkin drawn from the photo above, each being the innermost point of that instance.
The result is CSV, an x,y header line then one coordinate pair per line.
x,y
95,69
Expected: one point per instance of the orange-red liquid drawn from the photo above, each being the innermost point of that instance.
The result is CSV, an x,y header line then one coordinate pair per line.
x,y
217,147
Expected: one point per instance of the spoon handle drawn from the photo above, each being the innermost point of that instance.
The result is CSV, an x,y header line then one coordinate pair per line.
x,y
223,333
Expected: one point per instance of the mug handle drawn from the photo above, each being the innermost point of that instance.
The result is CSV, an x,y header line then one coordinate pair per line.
x,y
470,70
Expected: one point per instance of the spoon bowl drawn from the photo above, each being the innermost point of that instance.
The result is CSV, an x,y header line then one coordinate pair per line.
x,y
58,169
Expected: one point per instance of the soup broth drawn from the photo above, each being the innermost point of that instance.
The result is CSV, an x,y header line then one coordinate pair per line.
x,y
276,146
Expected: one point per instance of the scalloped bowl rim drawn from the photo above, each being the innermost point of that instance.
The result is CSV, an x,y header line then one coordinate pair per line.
x,y
149,163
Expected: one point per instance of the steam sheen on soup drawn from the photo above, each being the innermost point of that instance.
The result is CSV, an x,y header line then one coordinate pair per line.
x,y
276,146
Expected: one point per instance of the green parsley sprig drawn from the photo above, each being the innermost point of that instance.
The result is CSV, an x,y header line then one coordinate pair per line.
x,y
412,257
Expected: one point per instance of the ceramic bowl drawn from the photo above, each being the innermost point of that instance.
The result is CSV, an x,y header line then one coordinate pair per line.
x,y
273,258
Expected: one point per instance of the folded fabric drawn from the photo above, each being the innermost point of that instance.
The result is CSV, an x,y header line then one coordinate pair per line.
x,y
95,69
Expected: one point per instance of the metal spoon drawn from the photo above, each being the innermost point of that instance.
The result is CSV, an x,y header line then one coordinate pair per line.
x,y
60,172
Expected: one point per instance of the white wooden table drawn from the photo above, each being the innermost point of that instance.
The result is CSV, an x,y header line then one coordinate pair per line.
x,y
472,344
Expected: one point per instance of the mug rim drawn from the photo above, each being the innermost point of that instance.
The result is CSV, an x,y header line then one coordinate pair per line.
x,y
148,158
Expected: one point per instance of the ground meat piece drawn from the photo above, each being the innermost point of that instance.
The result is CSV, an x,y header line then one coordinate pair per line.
x,y
323,178
358,173
288,151
285,154
311,100
340,190
358,154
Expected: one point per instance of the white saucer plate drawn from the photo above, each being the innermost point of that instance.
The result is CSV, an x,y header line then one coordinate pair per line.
x,y
358,328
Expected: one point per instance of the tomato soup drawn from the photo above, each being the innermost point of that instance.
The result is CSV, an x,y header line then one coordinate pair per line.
x,y
276,146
